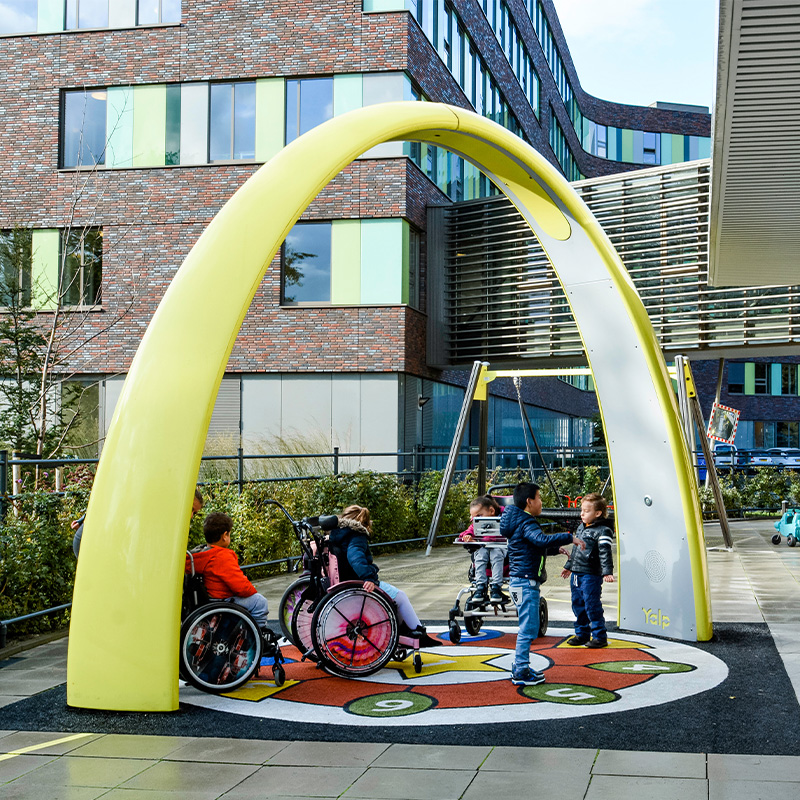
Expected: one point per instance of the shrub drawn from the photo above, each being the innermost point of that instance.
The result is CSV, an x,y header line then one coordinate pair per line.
x,y
766,488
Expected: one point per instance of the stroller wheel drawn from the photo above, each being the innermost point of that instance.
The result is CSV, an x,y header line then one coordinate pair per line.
x,y
544,616
455,632
473,625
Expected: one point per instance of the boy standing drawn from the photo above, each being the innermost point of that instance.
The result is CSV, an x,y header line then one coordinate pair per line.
x,y
527,550
219,566
589,568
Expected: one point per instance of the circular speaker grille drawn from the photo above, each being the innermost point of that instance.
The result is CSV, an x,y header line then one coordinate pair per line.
x,y
654,566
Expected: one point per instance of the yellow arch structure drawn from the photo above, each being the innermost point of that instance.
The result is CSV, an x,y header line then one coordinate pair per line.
x,y
124,631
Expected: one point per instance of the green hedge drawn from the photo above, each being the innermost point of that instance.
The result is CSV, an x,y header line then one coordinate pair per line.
x,y
37,567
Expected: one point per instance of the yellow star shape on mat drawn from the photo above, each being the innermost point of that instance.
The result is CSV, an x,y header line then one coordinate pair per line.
x,y
435,664
257,690
613,644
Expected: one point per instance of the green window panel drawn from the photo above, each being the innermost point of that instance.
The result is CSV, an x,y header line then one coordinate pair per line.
x,y
749,378
121,13
194,123
347,93
775,379
44,268
270,117
173,138
626,154
149,125
405,289
119,127
346,262
50,16
381,261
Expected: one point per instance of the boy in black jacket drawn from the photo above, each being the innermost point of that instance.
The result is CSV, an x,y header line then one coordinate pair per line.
x,y
589,568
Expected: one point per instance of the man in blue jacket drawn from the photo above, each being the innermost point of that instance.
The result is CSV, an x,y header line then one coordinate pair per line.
x,y
527,549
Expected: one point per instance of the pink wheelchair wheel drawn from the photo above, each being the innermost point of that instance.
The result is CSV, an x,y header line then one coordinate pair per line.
x,y
355,632
289,602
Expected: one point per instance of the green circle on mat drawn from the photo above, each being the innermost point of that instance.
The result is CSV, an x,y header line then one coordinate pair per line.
x,y
570,694
390,704
643,667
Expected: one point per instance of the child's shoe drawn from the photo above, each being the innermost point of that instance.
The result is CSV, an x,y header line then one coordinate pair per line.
x,y
576,641
527,677
497,595
479,595
596,643
424,639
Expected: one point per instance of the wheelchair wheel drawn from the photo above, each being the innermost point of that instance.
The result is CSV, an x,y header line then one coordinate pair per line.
x,y
473,625
301,625
220,647
289,601
354,632
544,616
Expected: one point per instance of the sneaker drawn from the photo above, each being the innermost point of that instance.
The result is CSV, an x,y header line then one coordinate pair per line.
x,y
596,643
575,641
479,595
497,595
527,677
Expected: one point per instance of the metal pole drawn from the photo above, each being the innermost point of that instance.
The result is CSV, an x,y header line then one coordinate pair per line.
x,y
717,396
240,469
483,444
455,447
335,460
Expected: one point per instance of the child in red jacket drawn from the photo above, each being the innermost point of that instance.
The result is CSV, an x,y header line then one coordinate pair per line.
x,y
219,566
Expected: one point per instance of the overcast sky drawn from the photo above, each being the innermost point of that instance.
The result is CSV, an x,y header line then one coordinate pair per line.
x,y
641,51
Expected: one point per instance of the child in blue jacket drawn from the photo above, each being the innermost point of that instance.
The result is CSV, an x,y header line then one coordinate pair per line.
x,y
527,550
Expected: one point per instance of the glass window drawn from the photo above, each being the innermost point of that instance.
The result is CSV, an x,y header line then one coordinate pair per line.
x,y
763,373
18,16
87,14
233,122
413,268
307,263
788,378
84,135
309,102
15,268
735,378
151,12
82,266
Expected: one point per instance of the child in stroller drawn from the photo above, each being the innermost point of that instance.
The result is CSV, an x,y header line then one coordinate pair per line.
x,y
489,549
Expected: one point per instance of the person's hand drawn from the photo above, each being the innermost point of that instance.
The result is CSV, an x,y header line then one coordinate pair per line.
x,y
75,524
579,542
565,573
608,578
467,537
369,586
563,551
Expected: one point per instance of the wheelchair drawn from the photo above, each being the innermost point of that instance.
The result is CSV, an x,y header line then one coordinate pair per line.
x,y
348,631
221,645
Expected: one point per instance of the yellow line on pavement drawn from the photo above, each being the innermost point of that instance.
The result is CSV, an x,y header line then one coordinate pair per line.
x,y
24,750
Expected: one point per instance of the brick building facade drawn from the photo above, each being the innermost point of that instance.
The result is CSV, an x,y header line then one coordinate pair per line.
x,y
349,370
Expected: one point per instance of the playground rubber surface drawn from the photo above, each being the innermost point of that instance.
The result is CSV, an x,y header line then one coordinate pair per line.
x,y
730,695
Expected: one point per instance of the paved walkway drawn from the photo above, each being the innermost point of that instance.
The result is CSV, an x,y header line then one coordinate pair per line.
x,y
756,582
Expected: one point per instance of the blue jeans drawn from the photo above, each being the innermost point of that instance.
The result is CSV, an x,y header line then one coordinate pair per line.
x,y
587,608
256,604
525,594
